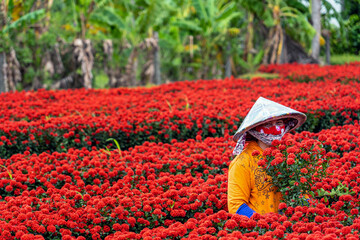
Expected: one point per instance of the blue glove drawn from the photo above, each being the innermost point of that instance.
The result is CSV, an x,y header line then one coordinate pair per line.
x,y
245,210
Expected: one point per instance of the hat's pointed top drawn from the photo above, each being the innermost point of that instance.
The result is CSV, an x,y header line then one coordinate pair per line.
x,y
265,110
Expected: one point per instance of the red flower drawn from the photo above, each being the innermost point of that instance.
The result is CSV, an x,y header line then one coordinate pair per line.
x,y
282,206
147,208
261,162
230,224
131,221
303,180
116,227
275,143
255,153
305,156
290,161
9,188
279,233
262,224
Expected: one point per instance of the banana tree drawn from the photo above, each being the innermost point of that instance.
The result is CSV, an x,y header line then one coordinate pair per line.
x,y
284,15
88,21
17,19
209,23
134,26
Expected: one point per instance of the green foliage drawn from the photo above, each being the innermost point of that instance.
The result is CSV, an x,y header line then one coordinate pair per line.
x,y
212,24
259,75
350,7
299,28
345,39
101,80
334,194
108,17
337,59
353,25
24,21
252,64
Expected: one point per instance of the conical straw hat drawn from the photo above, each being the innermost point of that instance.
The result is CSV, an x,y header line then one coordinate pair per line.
x,y
265,110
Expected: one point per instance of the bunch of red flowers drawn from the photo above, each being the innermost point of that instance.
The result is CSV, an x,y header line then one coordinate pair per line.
x,y
295,165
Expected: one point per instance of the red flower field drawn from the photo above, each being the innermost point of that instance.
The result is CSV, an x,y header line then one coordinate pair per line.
x,y
62,178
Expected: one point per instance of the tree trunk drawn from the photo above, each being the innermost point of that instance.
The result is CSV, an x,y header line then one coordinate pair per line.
x,y
3,80
108,51
83,55
250,37
157,73
3,14
316,19
228,61
284,53
36,83
131,68
65,83
150,47
57,60
327,46
294,52
13,74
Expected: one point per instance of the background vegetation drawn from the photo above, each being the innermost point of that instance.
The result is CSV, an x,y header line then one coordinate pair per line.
x,y
113,43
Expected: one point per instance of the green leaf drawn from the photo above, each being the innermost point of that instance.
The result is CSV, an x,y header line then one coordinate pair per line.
x,y
243,64
226,21
307,26
176,61
211,10
27,19
258,57
227,10
188,25
117,144
199,6
297,5
108,17
268,19
101,3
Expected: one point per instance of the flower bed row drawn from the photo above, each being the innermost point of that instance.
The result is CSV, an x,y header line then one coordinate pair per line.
x,y
167,191
59,120
313,72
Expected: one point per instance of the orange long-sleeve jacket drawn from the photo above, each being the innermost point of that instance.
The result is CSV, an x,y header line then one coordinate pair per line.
x,y
248,183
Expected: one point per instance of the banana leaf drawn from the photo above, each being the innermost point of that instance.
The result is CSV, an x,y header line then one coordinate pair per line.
x,y
29,18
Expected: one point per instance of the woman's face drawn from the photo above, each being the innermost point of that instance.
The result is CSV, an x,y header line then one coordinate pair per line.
x,y
270,124
275,127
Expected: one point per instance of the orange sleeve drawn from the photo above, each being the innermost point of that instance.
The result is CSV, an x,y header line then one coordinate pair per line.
x,y
239,182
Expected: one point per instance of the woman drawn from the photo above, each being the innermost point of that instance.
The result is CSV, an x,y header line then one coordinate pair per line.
x,y
249,187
